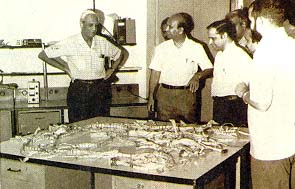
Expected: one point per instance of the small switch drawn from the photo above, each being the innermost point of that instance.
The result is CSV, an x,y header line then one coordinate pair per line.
x,y
24,92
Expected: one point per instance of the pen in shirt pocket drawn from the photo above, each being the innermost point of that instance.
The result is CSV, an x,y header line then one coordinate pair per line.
x,y
189,61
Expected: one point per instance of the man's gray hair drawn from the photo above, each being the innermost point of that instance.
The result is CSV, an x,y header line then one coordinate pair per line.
x,y
85,14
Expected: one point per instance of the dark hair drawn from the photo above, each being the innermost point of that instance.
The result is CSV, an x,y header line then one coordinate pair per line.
x,y
224,26
290,12
164,22
186,22
276,10
242,14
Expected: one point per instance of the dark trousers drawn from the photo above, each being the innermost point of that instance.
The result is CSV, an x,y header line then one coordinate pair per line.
x,y
87,99
230,109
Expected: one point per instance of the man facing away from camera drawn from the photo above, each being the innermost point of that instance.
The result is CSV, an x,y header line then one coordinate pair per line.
x,y
270,96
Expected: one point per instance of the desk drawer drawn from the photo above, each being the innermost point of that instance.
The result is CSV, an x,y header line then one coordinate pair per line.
x,y
104,181
16,184
16,170
134,183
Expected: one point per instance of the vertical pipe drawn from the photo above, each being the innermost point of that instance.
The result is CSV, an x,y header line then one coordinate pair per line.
x,y
45,79
93,5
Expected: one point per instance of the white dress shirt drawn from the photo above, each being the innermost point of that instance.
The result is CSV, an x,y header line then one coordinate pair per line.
x,y
178,65
272,133
231,67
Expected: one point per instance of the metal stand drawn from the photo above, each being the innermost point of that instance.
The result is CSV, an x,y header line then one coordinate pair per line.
x,y
45,79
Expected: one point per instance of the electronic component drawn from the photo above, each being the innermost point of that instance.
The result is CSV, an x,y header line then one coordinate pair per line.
x,y
33,92
125,32
32,42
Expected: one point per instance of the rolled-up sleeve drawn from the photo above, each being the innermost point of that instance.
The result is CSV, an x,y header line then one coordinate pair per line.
x,y
56,50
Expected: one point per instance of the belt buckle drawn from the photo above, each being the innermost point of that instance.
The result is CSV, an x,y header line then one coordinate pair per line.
x,y
232,97
89,82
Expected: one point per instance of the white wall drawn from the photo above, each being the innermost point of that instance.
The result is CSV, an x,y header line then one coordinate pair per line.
x,y
52,20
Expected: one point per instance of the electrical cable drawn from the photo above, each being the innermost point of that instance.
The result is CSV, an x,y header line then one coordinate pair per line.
x,y
135,94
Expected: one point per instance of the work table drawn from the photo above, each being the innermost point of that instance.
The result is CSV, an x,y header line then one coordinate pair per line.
x,y
195,173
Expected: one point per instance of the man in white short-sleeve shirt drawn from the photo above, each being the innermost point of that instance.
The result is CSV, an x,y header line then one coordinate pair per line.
x,y
271,99
175,66
82,57
231,66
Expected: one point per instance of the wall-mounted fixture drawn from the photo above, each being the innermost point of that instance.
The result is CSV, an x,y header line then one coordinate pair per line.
x,y
125,31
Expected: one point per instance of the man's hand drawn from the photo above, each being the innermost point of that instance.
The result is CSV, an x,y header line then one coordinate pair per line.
x,y
151,104
194,83
109,73
241,88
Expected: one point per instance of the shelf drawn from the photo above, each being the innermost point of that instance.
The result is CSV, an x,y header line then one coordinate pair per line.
x,y
29,74
122,69
129,69
19,47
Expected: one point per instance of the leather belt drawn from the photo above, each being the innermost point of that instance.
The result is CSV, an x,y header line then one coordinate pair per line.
x,y
174,87
229,97
89,82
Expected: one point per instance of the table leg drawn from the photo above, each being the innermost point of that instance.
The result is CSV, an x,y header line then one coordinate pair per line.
x,y
245,168
230,174
199,185
92,180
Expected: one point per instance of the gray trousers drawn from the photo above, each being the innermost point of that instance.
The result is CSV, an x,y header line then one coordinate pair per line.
x,y
277,174
177,104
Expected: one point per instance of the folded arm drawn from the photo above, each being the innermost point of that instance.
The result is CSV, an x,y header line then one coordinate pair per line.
x,y
243,91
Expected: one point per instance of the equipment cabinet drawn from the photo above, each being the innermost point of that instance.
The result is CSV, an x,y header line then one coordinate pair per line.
x,y
6,123
29,120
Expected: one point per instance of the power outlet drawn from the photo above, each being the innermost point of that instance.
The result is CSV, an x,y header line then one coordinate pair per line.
x,y
57,93
124,90
53,91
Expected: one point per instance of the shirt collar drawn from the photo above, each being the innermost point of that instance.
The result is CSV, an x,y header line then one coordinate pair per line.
x,y
81,40
231,45
228,47
183,44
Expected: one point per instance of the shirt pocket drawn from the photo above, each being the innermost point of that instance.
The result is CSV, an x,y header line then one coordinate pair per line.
x,y
191,65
